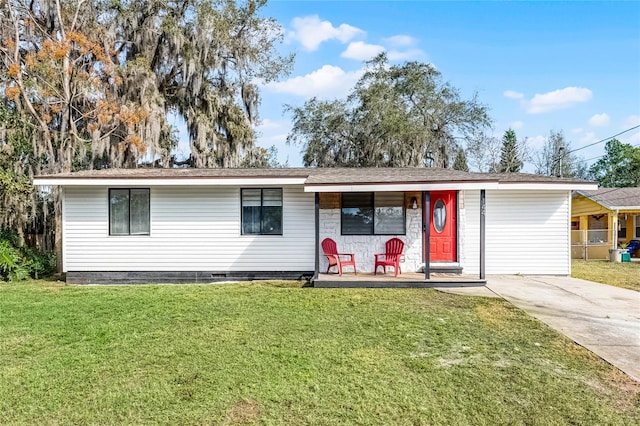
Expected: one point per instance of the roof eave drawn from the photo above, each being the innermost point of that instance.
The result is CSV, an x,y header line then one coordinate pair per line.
x,y
558,186
398,186
624,208
159,181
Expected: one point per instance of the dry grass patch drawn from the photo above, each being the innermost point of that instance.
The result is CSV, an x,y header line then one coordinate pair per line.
x,y
243,413
625,275
615,383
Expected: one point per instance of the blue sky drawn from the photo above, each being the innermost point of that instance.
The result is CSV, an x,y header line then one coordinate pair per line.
x,y
539,66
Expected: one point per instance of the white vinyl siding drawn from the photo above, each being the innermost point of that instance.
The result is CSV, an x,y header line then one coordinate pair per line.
x,y
192,229
527,232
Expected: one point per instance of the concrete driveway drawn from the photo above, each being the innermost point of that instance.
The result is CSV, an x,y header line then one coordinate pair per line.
x,y
602,318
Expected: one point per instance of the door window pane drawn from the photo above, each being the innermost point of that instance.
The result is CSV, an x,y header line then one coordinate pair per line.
x,y
439,216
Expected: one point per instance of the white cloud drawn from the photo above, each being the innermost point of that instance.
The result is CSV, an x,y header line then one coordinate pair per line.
x,y
328,81
536,142
310,31
361,51
631,121
267,124
513,94
577,130
397,55
588,138
516,125
400,40
633,139
274,133
558,99
599,120
278,140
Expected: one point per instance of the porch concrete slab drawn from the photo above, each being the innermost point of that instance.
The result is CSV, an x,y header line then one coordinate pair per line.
x,y
599,317
403,280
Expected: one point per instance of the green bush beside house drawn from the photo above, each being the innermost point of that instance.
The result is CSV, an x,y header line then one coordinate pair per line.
x,y
18,263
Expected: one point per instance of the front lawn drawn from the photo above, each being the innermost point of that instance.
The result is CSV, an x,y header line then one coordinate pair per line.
x,y
625,275
277,353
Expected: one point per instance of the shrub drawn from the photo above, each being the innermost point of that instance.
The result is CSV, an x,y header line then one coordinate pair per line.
x,y
20,263
12,265
41,264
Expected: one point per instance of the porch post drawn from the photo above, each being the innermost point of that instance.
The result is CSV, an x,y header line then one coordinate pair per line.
x,y
483,212
584,235
426,230
317,236
613,229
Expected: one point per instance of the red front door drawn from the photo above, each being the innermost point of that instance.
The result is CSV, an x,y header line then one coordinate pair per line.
x,y
442,226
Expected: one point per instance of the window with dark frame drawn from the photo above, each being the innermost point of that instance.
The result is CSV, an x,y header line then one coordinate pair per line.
x,y
369,213
261,211
129,211
622,228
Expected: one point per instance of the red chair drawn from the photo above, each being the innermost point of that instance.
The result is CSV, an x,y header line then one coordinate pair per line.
x,y
391,257
331,251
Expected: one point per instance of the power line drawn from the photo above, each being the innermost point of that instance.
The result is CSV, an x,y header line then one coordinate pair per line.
x,y
560,157
602,140
599,156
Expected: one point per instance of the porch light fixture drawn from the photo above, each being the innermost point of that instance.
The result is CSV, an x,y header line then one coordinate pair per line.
x,y
414,203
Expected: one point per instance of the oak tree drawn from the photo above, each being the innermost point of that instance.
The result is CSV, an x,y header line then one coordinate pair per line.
x,y
89,83
393,117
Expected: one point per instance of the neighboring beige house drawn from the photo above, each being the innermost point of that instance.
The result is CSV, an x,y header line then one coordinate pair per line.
x,y
603,219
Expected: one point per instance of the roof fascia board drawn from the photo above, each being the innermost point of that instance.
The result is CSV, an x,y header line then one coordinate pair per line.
x,y
551,186
200,181
625,208
400,186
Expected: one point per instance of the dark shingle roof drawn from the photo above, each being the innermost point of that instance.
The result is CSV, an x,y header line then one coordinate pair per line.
x,y
613,198
320,176
336,176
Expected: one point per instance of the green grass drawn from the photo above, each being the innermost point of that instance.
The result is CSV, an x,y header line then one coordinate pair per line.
x,y
276,353
625,275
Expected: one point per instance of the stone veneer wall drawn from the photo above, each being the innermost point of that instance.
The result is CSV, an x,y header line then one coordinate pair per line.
x,y
365,246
